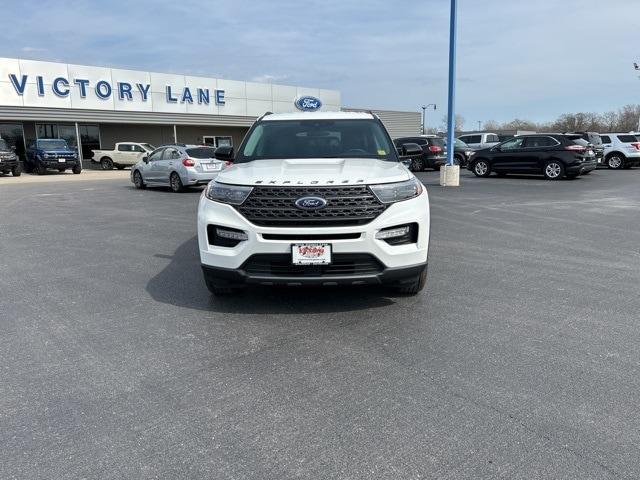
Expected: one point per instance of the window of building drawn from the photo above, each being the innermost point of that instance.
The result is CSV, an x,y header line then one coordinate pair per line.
x,y
13,134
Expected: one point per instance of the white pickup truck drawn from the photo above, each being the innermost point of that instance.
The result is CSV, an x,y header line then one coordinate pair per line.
x,y
125,154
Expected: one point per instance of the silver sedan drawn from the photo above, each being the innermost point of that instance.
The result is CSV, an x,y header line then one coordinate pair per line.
x,y
177,167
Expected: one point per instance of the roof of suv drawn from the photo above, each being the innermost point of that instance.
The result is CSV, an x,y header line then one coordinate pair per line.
x,y
318,116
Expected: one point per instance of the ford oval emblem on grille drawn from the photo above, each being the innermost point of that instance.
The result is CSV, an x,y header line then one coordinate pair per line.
x,y
311,203
308,103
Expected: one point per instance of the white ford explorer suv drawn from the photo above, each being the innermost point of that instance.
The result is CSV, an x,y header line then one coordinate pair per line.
x,y
315,198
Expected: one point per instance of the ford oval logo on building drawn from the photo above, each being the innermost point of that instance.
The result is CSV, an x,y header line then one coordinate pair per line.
x,y
308,104
311,203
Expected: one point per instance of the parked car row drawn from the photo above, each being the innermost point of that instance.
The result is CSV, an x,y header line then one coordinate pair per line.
x,y
554,155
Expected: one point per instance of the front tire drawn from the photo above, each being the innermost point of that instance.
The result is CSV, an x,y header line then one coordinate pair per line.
x,y
106,163
77,169
417,165
553,170
16,171
137,180
175,183
481,168
39,169
615,161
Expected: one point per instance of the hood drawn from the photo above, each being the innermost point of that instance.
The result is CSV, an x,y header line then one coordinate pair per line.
x,y
315,171
58,150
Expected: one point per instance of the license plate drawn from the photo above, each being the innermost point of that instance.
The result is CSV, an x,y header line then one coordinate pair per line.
x,y
61,160
212,167
311,253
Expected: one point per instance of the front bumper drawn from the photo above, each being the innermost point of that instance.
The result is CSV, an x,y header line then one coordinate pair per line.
x,y
8,164
56,164
224,277
395,260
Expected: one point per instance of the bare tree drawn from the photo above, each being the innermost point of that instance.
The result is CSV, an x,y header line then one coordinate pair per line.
x,y
623,120
491,125
459,123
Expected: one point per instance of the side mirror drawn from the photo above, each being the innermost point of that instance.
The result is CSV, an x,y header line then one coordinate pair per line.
x,y
410,150
145,159
224,153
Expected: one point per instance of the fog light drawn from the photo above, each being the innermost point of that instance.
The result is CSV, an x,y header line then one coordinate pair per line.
x,y
393,233
232,234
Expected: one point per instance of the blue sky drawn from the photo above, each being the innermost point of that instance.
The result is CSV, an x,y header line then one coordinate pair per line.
x,y
527,59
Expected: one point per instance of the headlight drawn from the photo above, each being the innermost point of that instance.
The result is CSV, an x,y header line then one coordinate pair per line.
x,y
75,155
231,194
46,155
397,192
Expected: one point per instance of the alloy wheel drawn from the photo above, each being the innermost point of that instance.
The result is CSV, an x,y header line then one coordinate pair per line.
x,y
553,170
614,162
481,168
137,179
176,183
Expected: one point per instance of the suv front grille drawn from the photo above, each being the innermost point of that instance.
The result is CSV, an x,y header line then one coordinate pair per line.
x,y
342,264
346,206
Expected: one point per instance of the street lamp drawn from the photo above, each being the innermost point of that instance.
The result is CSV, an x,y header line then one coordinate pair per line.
x,y
424,117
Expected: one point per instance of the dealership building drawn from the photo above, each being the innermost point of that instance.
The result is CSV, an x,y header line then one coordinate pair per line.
x,y
95,107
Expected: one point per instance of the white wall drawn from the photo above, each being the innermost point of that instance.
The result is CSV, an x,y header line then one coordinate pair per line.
x,y
241,98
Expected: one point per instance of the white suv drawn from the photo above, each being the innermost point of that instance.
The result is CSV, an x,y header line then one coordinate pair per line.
x,y
621,150
315,198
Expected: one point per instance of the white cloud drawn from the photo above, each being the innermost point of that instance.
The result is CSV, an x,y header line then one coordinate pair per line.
x,y
266,78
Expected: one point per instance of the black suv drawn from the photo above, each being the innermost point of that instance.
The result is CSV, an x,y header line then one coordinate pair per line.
x,y
594,139
9,161
553,155
433,152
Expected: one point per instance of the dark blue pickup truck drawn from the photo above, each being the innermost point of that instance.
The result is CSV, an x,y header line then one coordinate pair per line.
x,y
51,154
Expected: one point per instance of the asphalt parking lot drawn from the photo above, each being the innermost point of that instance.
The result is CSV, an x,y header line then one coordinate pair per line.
x,y
519,360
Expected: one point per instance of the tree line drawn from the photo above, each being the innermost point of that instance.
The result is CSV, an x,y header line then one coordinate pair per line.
x,y
623,120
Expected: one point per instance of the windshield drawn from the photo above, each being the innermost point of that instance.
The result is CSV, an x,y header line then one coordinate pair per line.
x,y
3,145
201,152
284,139
148,147
52,145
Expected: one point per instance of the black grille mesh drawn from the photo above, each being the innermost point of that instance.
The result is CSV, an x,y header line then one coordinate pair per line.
x,y
275,206
342,264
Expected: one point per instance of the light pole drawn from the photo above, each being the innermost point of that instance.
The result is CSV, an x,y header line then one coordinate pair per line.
x,y
479,125
424,115
451,119
450,173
